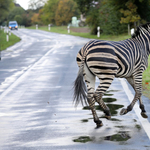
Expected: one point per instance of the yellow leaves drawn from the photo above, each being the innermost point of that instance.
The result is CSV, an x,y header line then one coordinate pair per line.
x,y
35,18
48,12
130,19
130,5
126,12
65,11
130,14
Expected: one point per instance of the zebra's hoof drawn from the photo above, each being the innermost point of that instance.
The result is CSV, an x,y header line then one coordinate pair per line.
x,y
99,125
108,117
123,111
144,115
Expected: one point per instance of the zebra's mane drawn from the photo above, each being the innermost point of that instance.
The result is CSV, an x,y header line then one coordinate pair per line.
x,y
140,29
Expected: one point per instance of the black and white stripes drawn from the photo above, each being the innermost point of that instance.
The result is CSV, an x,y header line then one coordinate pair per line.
x,y
107,60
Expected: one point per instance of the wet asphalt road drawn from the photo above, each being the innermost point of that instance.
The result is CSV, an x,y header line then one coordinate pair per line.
x,y
36,109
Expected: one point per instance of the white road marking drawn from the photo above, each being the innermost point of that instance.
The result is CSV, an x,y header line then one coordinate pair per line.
x,y
145,123
24,74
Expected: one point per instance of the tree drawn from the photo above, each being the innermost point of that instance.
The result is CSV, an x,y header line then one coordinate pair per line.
x,y
16,11
26,19
35,19
5,7
143,10
136,11
93,18
65,11
90,9
18,18
109,17
130,14
85,5
47,14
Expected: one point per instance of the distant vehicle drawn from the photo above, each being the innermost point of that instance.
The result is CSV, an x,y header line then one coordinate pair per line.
x,y
13,25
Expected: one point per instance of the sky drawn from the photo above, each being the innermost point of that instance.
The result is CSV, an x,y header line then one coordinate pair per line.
x,y
23,3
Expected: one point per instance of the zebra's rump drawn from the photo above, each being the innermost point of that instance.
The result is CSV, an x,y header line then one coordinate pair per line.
x,y
103,57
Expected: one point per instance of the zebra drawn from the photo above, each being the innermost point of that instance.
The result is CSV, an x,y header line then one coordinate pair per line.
x,y
109,59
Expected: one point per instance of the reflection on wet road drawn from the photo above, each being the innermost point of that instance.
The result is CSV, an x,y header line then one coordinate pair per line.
x,y
36,109
121,132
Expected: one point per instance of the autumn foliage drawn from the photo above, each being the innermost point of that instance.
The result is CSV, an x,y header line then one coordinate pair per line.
x,y
113,16
65,11
59,12
35,18
130,14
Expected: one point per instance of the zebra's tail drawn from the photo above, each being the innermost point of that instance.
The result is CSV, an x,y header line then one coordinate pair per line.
x,y
80,91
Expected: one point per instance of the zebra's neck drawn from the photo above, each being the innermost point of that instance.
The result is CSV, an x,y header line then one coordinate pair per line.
x,y
143,42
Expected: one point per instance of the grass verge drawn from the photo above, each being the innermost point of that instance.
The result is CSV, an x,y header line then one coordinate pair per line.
x,y
63,30
146,80
12,40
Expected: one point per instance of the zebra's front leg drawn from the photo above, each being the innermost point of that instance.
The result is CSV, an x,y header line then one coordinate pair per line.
x,y
130,107
143,112
137,85
91,102
132,82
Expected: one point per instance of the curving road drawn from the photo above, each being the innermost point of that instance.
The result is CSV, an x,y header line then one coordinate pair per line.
x,y
36,109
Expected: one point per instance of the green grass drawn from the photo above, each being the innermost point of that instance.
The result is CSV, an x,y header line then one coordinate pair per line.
x,y
63,30
146,80
12,40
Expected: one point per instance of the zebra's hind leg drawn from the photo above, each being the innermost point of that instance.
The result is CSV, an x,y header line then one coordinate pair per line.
x,y
91,102
98,98
90,82
103,86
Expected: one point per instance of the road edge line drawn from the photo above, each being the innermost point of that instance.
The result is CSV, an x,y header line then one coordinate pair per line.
x,y
23,75
144,122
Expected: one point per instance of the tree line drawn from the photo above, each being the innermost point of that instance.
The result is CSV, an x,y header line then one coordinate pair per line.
x,y
113,16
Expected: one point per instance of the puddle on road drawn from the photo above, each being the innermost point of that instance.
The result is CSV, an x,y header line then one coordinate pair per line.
x,y
112,91
106,100
83,139
114,119
118,133
121,136
109,100
138,127
107,94
113,108
86,108
84,120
